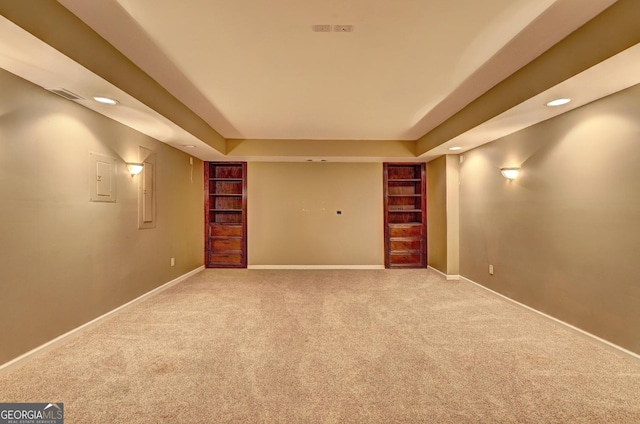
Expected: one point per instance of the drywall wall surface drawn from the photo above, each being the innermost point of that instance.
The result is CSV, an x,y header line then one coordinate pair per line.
x,y
314,213
564,236
63,259
437,214
453,215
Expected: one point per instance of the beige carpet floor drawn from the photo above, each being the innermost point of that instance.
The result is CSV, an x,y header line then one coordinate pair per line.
x,y
357,346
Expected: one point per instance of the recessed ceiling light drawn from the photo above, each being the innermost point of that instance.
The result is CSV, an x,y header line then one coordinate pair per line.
x,y
558,102
454,148
105,100
189,145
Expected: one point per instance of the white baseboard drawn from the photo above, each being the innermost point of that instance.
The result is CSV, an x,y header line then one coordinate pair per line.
x,y
60,339
449,277
315,267
614,347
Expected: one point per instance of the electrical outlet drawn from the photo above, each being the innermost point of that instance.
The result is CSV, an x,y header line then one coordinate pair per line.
x,y
173,261
491,269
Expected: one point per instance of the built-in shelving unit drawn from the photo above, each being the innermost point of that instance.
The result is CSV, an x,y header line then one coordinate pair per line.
x,y
225,214
405,223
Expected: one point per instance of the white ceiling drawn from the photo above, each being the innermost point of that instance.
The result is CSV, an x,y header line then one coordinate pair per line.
x,y
253,69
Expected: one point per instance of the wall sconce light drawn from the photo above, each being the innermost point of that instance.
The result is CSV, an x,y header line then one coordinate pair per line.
x,y
510,173
135,168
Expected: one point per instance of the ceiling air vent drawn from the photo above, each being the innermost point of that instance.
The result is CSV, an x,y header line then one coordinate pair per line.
x,y
65,93
321,28
343,28
334,28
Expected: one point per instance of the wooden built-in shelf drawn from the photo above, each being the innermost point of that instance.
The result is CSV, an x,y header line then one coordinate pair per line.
x,y
405,208
225,214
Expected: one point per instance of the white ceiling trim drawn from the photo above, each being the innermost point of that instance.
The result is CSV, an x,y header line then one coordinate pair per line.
x,y
28,57
254,69
610,76
554,24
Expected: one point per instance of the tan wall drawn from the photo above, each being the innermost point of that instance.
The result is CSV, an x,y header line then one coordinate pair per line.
x,y
334,150
453,216
564,237
437,214
64,260
292,216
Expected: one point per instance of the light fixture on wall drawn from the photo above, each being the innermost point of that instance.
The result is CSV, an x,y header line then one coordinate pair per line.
x,y
135,168
510,173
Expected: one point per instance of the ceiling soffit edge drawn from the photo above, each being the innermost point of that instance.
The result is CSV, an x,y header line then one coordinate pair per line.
x,y
541,34
609,33
55,25
286,148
